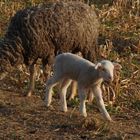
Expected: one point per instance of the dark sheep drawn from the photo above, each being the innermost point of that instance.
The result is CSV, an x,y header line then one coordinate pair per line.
x,y
44,31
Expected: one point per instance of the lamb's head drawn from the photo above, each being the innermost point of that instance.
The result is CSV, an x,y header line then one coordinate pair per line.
x,y
106,69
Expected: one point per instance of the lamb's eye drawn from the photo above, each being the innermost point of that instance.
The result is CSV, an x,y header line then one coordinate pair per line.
x,y
103,69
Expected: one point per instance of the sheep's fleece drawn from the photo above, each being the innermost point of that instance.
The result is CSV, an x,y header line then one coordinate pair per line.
x,y
44,31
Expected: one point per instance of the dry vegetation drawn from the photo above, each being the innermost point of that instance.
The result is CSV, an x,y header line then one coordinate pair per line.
x,y
119,40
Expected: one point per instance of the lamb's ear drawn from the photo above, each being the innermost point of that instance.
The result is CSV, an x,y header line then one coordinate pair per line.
x,y
117,66
98,66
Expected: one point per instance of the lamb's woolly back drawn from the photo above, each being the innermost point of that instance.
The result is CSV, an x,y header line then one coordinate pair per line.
x,y
72,66
72,59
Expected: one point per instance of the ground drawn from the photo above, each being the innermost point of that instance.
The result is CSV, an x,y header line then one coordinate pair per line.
x,y
25,118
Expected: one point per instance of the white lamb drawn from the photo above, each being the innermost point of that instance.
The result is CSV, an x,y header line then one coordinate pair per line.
x,y
89,76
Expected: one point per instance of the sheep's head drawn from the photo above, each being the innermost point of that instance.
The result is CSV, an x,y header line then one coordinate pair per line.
x,y
106,69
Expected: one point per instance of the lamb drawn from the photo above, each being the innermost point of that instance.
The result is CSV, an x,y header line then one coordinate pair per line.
x,y
44,31
89,76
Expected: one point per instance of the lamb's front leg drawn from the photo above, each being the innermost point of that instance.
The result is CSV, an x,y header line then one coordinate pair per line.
x,y
82,96
98,95
52,82
32,80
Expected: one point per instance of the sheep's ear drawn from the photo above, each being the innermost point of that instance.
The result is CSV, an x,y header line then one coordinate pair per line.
x,y
117,66
98,66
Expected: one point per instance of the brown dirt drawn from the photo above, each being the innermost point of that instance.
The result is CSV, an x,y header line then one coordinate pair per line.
x,y
25,118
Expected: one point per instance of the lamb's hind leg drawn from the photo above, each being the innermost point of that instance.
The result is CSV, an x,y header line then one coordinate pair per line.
x,y
73,90
90,96
32,80
64,86
82,95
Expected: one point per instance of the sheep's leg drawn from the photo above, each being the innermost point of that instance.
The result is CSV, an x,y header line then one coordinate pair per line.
x,y
64,86
82,97
46,71
98,95
73,90
52,82
3,75
32,80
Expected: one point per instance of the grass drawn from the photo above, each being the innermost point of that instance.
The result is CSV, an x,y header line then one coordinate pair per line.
x,y
117,24
119,33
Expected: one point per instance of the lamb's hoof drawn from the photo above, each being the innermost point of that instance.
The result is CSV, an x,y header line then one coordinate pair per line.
x,y
111,121
64,109
47,104
50,107
29,94
72,97
84,115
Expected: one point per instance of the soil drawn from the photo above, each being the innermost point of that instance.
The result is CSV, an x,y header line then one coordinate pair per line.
x,y
26,118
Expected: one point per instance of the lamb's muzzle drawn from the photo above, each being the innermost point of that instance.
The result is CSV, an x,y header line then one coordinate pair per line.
x,y
89,76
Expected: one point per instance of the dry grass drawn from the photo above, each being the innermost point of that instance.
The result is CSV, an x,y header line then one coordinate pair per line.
x,y
28,118
119,41
120,33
